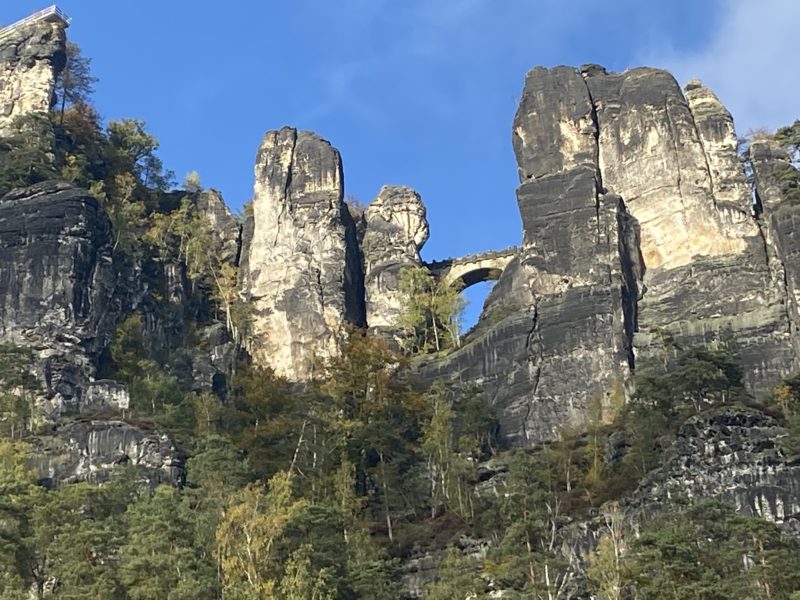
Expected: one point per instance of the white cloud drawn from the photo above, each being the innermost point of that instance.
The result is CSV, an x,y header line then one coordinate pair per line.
x,y
749,61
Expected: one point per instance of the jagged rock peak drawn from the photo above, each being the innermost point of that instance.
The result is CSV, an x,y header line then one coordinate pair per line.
x,y
303,272
396,229
30,61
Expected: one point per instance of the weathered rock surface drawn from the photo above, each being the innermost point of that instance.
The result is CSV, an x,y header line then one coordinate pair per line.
x,y
56,285
92,450
396,228
303,274
223,223
30,61
731,454
638,224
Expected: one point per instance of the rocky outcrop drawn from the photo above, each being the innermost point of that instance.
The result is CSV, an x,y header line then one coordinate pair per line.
x,y
710,275
396,228
56,285
30,61
638,226
92,450
223,224
732,454
303,274
557,331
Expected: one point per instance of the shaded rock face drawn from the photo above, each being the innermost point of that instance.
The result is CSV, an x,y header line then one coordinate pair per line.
x,y
30,61
731,454
303,272
56,285
395,230
638,224
92,450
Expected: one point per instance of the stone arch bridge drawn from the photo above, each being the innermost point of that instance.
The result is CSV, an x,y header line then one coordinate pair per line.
x,y
474,268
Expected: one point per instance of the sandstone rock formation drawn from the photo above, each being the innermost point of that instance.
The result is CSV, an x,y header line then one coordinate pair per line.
x,y
30,61
303,270
395,231
92,450
731,454
56,285
639,227
223,223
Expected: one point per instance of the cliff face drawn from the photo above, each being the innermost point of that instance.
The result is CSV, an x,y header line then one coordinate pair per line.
x,y
30,61
302,273
639,227
56,285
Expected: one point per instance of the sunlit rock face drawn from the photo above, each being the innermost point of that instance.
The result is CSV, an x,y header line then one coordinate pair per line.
x,y
396,229
30,61
302,271
638,226
56,286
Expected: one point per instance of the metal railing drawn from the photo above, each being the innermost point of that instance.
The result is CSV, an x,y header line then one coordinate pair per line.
x,y
42,15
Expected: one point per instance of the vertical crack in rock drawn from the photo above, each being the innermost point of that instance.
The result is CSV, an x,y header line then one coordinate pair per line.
x,y
304,274
535,353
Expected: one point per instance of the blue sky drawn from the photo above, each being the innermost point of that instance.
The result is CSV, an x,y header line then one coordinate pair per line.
x,y
418,92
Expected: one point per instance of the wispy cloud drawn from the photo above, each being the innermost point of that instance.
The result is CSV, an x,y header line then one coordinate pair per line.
x,y
749,61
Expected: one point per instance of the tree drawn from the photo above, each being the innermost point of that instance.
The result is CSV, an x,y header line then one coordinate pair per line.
x,y
527,558
132,150
609,564
449,472
158,560
249,537
458,579
75,85
431,312
708,550
26,154
18,495
191,183
18,385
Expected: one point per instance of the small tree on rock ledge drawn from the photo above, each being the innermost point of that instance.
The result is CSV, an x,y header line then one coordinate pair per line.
x,y
431,312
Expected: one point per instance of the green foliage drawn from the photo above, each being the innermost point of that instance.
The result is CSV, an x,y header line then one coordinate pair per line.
x,y
681,383
133,150
18,386
527,558
158,560
709,551
458,578
27,153
192,183
75,84
431,314
786,398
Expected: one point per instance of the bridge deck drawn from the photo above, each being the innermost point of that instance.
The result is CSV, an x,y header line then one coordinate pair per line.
x,y
445,263
52,13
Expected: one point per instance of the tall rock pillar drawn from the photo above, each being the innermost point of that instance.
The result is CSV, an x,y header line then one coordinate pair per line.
x,y
31,58
301,266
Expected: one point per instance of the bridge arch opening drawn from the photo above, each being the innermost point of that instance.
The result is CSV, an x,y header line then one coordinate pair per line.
x,y
480,275
475,286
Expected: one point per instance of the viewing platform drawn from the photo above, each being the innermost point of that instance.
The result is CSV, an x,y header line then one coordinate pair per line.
x,y
51,14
